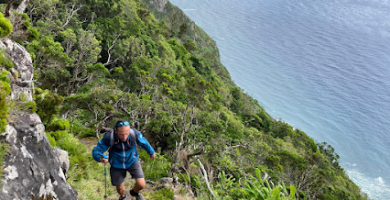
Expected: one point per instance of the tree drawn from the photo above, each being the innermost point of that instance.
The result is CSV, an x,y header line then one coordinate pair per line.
x,y
50,62
100,101
48,104
189,45
87,52
183,29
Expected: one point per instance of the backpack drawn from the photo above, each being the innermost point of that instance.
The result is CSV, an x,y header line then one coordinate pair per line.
x,y
132,134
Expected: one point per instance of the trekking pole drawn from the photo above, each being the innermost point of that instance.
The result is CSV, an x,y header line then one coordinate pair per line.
x,y
105,180
105,176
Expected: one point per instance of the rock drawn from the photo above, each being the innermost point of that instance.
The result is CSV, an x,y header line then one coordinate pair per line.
x,y
23,64
150,182
166,180
175,180
64,159
31,169
159,4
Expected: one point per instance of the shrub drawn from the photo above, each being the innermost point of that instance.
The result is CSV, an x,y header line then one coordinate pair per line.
x,y
154,169
51,139
88,132
260,188
5,26
58,124
5,61
48,104
163,194
31,105
5,90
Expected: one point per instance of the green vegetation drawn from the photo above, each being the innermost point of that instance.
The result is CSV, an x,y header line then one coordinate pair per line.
x,y
96,61
155,169
5,64
5,90
5,26
261,188
3,152
162,194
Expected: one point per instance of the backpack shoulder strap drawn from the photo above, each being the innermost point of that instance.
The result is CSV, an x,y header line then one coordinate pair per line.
x,y
112,140
133,133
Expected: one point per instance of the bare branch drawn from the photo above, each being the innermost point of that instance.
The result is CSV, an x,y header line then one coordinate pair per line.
x,y
70,13
205,178
196,153
106,129
109,52
108,115
189,182
9,5
173,123
244,145
22,6
247,122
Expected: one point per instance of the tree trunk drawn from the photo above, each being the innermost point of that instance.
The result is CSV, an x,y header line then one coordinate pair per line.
x,y
107,116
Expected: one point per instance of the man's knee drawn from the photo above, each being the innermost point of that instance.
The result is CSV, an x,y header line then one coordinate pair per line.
x,y
120,187
140,182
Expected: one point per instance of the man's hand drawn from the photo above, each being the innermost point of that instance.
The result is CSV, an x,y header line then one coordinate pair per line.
x,y
153,156
102,160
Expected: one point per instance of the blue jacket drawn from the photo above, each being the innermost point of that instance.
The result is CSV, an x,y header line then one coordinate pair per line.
x,y
122,154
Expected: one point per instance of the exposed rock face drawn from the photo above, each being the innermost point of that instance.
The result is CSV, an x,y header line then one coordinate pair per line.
x,y
63,156
159,4
31,169
23,65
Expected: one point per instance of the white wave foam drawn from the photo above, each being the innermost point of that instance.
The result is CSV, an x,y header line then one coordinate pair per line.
x,y
380,180
376,188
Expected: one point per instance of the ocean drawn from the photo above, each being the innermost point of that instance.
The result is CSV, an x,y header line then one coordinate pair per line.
x,y
322,66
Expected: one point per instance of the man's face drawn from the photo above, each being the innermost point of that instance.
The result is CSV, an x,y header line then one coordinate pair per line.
x,y
123,132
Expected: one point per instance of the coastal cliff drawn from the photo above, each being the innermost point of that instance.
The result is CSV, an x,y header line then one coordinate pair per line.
x,y
145,61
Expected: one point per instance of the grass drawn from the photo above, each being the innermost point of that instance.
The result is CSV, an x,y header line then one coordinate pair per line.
x,y
93,187
3,152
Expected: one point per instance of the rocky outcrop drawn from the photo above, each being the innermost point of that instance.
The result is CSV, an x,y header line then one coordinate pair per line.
x,y
31,169
159,4
22,66
63,157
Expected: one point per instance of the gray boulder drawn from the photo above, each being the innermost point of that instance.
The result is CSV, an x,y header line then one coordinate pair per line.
x,y
31,169
63,157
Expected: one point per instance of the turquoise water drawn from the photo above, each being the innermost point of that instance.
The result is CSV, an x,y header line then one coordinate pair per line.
x,y
323,66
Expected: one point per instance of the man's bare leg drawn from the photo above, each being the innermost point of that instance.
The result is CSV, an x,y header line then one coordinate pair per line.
x,y
121,189
139,185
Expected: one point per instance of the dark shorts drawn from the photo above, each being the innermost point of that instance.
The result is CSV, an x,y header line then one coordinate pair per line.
x,y
118,175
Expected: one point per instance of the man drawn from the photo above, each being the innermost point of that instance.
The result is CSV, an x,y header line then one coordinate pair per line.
x,y
123,157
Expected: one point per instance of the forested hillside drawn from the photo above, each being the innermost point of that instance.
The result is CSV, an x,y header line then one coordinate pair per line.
x,y
96,61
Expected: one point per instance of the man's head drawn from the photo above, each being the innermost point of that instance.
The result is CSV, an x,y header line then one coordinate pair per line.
x,y
122,129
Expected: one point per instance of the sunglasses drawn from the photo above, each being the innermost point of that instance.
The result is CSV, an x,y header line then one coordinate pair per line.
x,y
122,124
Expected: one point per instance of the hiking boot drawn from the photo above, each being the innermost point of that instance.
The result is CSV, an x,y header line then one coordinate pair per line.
x,y
137,196
122,198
